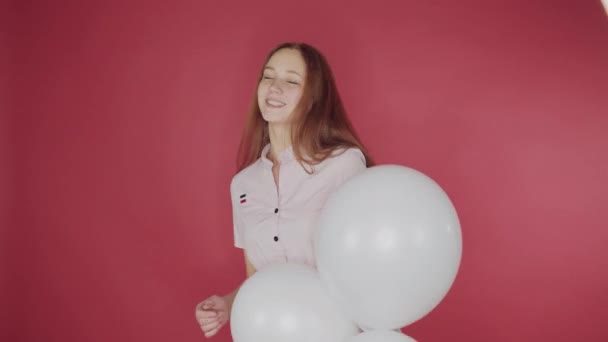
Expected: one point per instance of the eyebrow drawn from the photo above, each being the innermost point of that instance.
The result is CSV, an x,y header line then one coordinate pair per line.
x,y
289,71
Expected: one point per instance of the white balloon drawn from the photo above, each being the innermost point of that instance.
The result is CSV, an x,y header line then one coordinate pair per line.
x,y
388,246
286,302
381,336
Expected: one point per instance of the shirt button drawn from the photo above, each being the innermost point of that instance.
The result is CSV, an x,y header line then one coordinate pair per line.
x,y
276,238
276,210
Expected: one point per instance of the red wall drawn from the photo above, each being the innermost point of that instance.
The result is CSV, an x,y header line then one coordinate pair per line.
x,y
7,165
128,117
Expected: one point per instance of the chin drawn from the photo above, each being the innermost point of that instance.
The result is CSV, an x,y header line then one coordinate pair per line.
x,y
275,117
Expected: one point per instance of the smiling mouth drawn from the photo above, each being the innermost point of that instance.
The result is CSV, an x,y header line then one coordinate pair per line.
x,y
274,103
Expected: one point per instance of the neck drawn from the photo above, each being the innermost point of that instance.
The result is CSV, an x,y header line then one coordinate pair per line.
x,y
280,139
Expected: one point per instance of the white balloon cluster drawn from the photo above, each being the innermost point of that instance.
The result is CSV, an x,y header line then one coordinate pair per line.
x,y
388,248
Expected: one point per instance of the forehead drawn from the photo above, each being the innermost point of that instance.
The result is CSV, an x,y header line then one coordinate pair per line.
x,y
287,60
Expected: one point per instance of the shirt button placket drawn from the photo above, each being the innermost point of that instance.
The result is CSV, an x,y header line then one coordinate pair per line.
x,y
276,212
276,237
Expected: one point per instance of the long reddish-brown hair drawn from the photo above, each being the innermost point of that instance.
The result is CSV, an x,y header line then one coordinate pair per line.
x,y
320,124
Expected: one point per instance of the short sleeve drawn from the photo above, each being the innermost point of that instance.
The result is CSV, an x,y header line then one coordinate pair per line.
x,y
237,221
351,163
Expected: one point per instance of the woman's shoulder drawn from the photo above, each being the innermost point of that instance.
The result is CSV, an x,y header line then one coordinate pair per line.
x,y
249,173
342,164
347,156
343,160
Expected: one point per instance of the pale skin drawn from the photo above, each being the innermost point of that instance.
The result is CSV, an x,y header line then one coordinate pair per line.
x,y
279,92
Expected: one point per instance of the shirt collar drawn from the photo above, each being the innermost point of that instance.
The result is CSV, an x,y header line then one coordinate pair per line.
x,y
285,157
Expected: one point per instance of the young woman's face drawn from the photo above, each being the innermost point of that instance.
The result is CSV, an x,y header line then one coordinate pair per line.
x,y
281,86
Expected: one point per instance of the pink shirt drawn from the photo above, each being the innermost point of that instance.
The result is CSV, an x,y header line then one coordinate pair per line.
x,y
278,226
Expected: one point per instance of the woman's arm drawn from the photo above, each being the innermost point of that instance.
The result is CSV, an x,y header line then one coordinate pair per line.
x,y
250,268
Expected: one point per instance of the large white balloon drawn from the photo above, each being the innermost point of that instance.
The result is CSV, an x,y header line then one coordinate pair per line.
x,y
381,336
287,302
388,246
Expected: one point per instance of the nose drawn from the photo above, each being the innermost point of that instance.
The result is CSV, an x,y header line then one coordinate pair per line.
x,y
276,86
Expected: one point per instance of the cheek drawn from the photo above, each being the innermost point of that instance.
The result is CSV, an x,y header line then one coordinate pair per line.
x,y
261,95
295,96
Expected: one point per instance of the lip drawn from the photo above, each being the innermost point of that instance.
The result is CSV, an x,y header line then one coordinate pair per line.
x,y
278,103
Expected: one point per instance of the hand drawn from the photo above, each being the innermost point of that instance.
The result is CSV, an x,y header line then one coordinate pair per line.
x,y
212,314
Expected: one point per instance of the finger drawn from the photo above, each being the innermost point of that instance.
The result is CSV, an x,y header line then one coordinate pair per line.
x,y
202,305
213,332
206,314
208,305
222,317
211,326
204,321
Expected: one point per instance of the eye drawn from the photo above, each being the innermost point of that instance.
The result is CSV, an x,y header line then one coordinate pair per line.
x,y
293,82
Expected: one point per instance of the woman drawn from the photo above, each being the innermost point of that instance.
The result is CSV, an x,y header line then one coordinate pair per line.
x,y
297,147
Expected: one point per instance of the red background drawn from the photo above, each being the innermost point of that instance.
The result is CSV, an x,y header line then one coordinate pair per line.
x,y
120,144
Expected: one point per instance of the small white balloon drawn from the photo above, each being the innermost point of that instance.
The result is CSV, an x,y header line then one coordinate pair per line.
x,y
381,336
287,302
388,246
